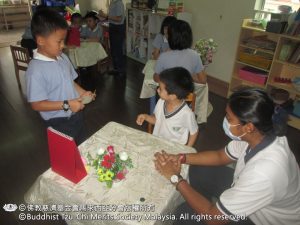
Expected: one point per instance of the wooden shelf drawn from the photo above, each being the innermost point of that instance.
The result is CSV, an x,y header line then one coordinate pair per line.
x,y
258,49
278,67
294,122
246,64
249,83
14,15
297,66
288,87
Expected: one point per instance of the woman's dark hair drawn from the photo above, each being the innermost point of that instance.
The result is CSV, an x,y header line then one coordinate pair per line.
x,y
166,23
255,106
178,81
75,16
46,21
180,35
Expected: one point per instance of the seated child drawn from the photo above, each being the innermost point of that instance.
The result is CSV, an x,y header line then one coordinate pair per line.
x,y
92,32
173,118
51,89
73,37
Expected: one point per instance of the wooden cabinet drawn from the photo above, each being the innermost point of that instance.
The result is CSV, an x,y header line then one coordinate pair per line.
x,y
273,62
12,16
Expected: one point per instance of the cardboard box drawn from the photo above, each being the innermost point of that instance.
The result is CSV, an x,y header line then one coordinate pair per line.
x,y
253,75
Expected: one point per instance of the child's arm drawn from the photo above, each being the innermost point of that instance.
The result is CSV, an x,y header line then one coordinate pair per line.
x,y
75,105
149,118
200,77
192,139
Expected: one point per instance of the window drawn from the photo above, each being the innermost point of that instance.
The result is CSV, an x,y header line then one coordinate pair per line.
x,y
264,8
272,5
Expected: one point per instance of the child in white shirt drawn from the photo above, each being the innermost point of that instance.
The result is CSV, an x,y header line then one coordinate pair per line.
x,y
173,119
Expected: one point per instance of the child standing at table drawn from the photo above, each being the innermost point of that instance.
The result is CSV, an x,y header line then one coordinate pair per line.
x,y
173,119
73,37
51,89
92,32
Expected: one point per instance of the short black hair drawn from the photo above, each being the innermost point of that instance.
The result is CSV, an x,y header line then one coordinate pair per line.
x,y
166,23
180,35
178,81
91,14
46,21
253,105
75,15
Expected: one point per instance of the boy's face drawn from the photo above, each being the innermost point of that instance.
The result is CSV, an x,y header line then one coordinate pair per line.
x,y
91,23
52,45
163,94
76,22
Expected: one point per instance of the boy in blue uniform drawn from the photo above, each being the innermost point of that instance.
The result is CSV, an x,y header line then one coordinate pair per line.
x,y
51,89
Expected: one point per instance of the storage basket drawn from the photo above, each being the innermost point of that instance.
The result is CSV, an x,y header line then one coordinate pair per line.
x,y
255,60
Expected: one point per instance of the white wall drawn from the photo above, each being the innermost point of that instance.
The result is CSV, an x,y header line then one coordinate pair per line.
x,y
220,20
87,5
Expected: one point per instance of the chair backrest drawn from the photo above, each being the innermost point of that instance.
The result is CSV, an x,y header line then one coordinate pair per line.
x,y
20,56
190,100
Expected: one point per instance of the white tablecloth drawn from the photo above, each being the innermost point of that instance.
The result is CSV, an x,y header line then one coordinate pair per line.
x,y
142,181
88,54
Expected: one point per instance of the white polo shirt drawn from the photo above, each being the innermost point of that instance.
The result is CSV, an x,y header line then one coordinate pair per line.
x,y
266,183
175,126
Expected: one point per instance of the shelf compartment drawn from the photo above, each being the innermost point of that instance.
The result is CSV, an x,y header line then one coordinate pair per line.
x,y
294,121
288,87
255,60
297,66
256,67
258,49
248,83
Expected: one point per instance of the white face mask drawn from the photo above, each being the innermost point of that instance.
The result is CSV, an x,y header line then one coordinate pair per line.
x,y
226,128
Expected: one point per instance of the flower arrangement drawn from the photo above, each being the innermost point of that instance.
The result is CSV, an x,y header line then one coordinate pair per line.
x,y
110,166
206,48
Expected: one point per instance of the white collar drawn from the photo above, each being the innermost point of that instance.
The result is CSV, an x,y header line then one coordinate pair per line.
x,y
39,56
96,28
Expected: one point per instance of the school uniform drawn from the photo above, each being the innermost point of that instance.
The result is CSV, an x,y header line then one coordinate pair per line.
x,y
97,32
264,186
161,42
53,80
117,35
175,126
266,183
190,60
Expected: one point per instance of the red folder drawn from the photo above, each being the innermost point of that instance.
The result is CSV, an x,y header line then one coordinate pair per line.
x,y
64,156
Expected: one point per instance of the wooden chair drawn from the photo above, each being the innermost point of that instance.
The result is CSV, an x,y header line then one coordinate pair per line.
x,y
21,59
190,100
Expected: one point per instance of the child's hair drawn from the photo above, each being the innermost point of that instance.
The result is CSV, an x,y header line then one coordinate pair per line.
x,y
166,23
178,81
46,21
180,35
75,16
255,106
91,14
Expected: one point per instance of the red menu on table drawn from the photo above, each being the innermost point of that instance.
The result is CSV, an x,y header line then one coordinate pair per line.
x,y
65,158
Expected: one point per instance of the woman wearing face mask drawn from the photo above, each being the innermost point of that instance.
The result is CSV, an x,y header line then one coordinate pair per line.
x,y
263,188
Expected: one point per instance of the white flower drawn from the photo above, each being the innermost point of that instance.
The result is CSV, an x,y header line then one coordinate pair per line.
x,y
123,156
211,40
101,151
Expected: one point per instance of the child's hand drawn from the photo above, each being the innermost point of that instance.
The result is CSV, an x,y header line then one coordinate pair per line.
x,y
76,105
89,93
140,119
